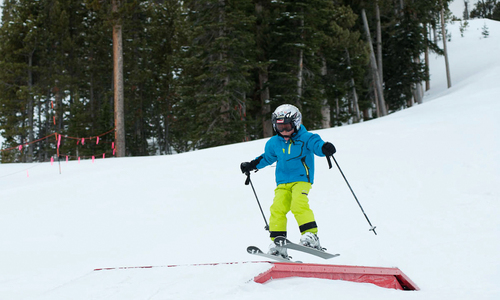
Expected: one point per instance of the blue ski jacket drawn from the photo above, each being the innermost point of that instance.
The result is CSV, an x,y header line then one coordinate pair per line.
x,y
295,158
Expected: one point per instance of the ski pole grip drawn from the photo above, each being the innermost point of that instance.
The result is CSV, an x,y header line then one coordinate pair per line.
x,y
247,181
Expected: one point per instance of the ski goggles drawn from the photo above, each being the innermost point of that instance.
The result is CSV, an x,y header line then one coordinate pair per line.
x,y
284,127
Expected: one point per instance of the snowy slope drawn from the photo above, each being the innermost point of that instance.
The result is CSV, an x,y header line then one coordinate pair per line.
x,y
427,177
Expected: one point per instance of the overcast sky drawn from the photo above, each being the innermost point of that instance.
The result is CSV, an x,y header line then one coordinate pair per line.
x,y
457,7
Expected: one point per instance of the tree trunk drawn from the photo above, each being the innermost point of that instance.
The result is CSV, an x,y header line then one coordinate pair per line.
x,y
48,123
354,94
299,77
434,31
377,103
448,77
325,108
42,131
31,136
379,43
225,106
58,107
267,126
466,10
375,73
427,38
118,83
300,72
418,88
398,7
337,111
92,108
414,97
367,114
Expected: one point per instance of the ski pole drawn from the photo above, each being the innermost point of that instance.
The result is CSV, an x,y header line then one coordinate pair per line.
x,y
372,228
248,181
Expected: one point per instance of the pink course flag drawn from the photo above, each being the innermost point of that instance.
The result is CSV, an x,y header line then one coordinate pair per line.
x,y
20,147
103,155
97,143
58,140
93,158
83,141
51,161
113,145
78,159
66,159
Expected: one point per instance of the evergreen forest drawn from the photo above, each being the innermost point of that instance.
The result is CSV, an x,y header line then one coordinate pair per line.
x,y
204,73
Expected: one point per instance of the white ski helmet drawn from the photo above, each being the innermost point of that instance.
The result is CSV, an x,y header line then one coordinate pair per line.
x,y
286,114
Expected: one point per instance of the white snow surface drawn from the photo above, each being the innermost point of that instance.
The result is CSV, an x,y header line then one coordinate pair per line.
x,y
428,177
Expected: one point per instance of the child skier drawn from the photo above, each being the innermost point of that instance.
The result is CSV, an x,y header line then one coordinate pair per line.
x,y
293,149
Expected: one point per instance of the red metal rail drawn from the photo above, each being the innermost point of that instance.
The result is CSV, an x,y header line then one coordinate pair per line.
x,y
383,277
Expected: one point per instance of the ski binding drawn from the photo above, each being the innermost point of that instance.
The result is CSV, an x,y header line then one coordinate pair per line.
x,y
256,251
284,242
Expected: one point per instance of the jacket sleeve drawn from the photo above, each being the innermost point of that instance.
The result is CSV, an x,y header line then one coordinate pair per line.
x,y
268,157
314,143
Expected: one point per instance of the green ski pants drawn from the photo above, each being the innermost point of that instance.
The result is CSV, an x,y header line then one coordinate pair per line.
x,y
291,197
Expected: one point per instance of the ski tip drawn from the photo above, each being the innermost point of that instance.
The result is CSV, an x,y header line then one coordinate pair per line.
x,y
253,249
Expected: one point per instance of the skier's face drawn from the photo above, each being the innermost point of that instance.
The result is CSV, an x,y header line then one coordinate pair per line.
x,y
284,127
286,134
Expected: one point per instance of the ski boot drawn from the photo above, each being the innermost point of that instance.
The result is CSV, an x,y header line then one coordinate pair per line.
x,y
311,240
278,251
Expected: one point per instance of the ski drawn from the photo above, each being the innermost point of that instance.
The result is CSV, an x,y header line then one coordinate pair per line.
x,y
256,251
284,242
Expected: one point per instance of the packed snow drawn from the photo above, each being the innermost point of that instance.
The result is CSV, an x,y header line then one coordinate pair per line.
x,y
428,178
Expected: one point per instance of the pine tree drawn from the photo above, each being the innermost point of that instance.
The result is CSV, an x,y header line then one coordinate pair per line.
x,y
215,74
167,34
489,9
347,58
260,107
19,39
496,12
293,46
403,71
463,27
485,31
78,69
198,73
302,60
466,10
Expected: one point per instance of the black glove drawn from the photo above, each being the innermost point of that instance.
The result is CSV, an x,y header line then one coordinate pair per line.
x,y
247,167
328,149
250,166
